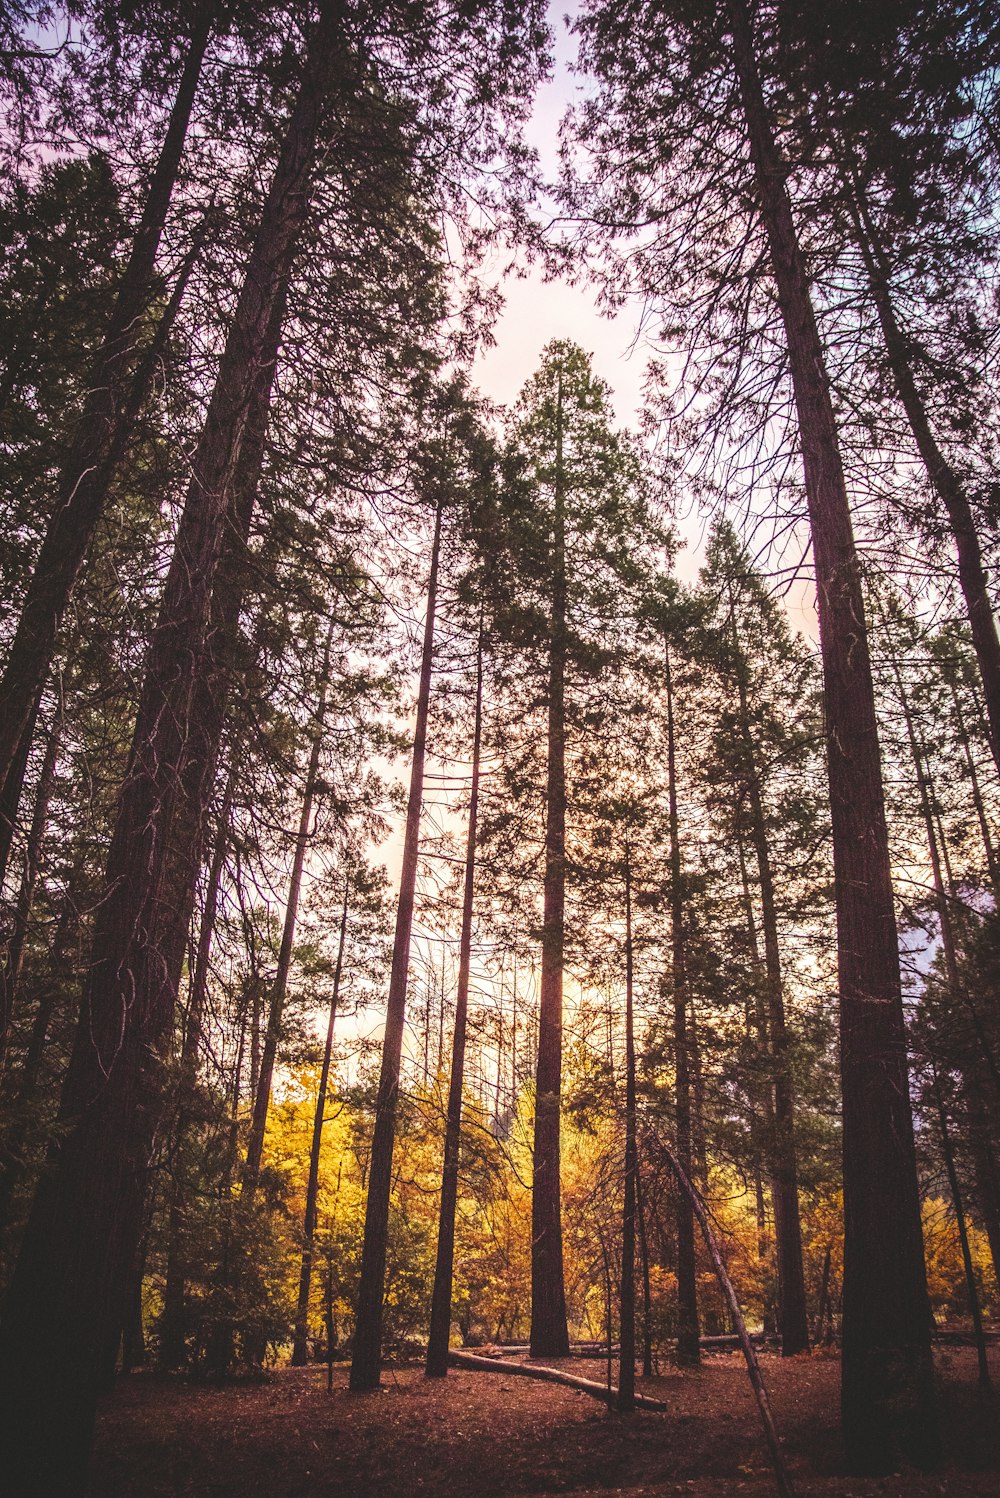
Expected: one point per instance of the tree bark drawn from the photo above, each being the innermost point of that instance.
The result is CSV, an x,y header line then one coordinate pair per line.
x,y
212,691
605,1392
440,1328
206,931
138,388
626,1370
944,886
13,957
963,1232
367,1360
699,1145
279,991
133,1347
101,437
822,1308
299,1346
87,1214
172,1347
647,1300
986,1173
977,795
549,1330
944,479
887,1390
784,1169
688,1353
978,1131
13,786
760,1097
221,1347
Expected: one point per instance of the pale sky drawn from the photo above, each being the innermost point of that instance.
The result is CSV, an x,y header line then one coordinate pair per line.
x,y
537,311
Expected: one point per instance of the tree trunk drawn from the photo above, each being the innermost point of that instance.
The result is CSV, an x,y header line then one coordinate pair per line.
x,y
221,1353
783,1480
985,1172
133,1331
979,1134
977,795
549,1330
13,1157
219,668
498,1085
626,1370
255,997
328,1318
138,388
688,1353
87,1214
440,1329
760,1097
784,1172
606,1392
101,437
944,886
441,1007
14,955
139,385
172,1347
943,477
963,1231
887,1389
647,1300
699,1145
276,1008
13,786
299,1346
822,1308
206,930
367,1361
233,1132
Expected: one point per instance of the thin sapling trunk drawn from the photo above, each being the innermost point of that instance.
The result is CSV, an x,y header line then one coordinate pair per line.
x,y
440,1328
367,1360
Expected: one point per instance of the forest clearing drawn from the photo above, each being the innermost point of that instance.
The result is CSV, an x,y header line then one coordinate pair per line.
x,y
499,747
503,1437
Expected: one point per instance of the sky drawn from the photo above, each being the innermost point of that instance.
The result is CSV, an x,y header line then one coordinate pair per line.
x,y
537,311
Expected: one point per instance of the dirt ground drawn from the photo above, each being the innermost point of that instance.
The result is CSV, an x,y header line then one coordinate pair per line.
x,y
490,1435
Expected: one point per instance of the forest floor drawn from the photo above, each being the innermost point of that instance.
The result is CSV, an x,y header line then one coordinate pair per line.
x,y
490,1435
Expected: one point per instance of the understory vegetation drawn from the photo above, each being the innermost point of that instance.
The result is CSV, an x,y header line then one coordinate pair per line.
x,y
445,846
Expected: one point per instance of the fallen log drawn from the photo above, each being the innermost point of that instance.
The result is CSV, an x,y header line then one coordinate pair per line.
x,y
549,1375
781,1477
729,1341
576,1350
953,1337
724,1342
